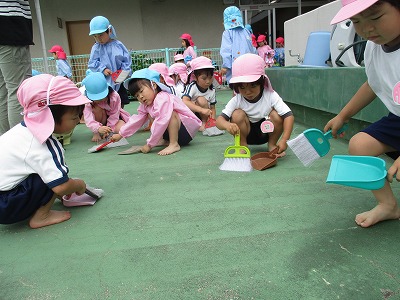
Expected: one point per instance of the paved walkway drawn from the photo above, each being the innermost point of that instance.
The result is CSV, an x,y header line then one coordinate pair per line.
x,y
177,227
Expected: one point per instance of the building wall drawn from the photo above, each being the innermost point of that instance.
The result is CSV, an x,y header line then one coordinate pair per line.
x,y
140,24
298,29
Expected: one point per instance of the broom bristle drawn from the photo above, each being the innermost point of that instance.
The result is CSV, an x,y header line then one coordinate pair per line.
x,y
303,149
236,164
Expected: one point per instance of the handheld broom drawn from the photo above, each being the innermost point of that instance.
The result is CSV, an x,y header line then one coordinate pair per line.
x,y
312,144
237,158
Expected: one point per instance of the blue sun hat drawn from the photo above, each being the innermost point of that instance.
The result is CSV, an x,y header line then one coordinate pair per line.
x,y
233,17
99,25
148,74
96,87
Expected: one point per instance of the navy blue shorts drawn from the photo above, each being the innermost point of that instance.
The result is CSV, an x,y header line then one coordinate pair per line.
x,y
256,136
24,200
184,137
387,131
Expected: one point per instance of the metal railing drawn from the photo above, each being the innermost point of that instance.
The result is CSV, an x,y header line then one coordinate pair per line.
x,y
140,59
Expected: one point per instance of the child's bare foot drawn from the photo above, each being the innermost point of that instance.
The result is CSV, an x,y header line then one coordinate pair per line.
x,y
52,217
379,213
162,142
170,149
96,137
202,127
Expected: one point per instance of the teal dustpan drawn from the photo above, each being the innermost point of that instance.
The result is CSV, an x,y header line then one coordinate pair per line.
x,y
364,172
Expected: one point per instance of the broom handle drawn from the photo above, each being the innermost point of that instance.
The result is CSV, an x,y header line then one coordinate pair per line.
x,y
237,139
342,129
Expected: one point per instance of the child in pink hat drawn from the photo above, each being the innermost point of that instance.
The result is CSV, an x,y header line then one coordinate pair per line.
x,y
178,73
33,172
188,44
377,21
62,65
257,112
199,94
265,51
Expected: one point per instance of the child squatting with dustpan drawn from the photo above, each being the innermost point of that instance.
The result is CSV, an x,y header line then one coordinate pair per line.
x,y
257,112
33,172
379,23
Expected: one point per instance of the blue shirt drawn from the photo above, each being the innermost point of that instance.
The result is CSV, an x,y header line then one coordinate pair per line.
x,y
113,56
63,68
235,42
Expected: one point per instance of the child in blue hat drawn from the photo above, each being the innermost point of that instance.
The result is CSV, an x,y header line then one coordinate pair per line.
x,y
108,55
104,114
174,124
236,40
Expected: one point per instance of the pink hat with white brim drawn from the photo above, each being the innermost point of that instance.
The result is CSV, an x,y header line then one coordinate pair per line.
x,y
179,69
351,8
249,68
163,70
37,93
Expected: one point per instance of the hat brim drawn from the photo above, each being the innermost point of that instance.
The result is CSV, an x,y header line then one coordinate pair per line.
x,y
352,9
162,86
246,78
96,31
98,96
79,100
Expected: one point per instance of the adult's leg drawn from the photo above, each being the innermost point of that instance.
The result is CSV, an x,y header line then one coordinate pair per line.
x,y
15,67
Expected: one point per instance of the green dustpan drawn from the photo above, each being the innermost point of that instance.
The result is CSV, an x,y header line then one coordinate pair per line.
x,y
364,172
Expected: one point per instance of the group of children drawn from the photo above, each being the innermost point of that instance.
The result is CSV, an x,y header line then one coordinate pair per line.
x,y
34,173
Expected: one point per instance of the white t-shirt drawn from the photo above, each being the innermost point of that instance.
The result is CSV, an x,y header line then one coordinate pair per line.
x,y
258,110
383,72
192,91
22,155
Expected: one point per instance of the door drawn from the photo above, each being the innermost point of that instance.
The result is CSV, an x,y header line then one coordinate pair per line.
x,y
80,43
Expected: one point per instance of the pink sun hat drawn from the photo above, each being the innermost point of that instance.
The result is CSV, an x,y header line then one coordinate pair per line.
x,y
249,68
35,94
201,62
261,38
187,36
178,57
163,70
351,8
179,69
56,48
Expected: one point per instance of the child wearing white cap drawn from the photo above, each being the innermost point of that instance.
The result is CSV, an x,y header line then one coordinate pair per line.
x,y
33,172
104,114
109,55
377,21
173,125
199,94
257,112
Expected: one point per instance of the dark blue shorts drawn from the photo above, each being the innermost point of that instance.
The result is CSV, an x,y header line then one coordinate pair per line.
x,y
256,136
387,131
184,137
24,200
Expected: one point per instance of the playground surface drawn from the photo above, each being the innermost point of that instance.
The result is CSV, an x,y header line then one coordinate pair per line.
x,y
176,227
